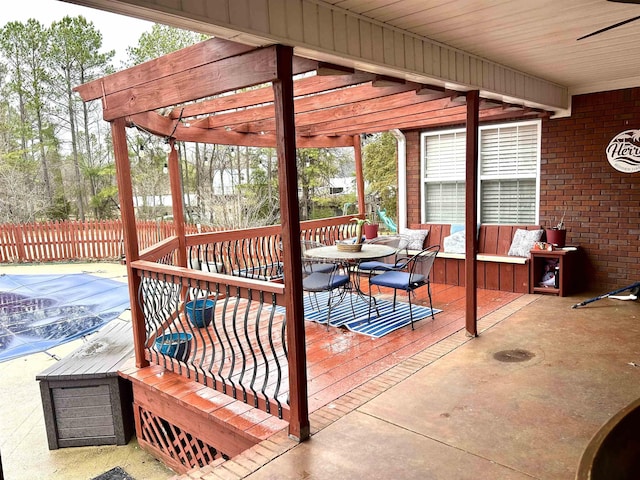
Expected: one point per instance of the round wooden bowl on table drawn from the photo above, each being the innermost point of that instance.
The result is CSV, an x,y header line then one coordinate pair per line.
x,y
349,247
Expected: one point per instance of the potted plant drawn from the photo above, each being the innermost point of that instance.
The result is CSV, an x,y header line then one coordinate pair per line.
x,y
356,245
360,223
557,235
176,345
371,228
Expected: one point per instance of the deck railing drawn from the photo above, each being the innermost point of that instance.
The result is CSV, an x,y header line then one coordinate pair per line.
x,y
239,346
164,252
232,341
257,252
249,253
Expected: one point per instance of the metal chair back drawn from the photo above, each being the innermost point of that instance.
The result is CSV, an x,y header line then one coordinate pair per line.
x,y
323,276
408,275
422,263
314,265
399,242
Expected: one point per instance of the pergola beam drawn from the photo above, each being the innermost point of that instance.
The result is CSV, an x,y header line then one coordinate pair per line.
x,y
331,133
371,116
429,90
153,123
210,79
183,60
163,127
368,114
453,115
355,114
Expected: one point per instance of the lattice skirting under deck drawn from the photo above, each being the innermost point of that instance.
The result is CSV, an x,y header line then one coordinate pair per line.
x,y
179,449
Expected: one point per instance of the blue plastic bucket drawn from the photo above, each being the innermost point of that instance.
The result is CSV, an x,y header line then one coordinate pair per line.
x,y
176,345
200,312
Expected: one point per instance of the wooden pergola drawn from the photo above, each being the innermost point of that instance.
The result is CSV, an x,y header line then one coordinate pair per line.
x,y
220,92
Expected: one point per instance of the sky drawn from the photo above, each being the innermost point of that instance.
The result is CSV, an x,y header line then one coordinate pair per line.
x,y
118,31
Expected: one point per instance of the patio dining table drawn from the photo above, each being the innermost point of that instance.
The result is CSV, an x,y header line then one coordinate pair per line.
x,y
369,251
351,259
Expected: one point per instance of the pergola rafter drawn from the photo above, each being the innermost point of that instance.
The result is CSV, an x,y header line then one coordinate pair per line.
x,y
309,104
203,87
262,95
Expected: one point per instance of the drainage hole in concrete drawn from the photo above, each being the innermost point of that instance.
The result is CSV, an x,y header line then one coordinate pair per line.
x,y
516,355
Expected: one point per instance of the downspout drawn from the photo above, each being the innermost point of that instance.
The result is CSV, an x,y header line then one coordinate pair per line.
x,y
357,154
402,179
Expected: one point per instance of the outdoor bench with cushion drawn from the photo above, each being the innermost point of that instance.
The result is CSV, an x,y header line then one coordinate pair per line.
x,y
496,269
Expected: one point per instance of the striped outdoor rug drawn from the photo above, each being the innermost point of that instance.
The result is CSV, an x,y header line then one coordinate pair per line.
x,y
343,316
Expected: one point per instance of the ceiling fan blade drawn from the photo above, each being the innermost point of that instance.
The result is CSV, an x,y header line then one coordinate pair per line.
x,y
619,24
636,2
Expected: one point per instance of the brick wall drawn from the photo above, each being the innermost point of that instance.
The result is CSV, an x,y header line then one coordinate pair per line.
x,y
602,204
413,177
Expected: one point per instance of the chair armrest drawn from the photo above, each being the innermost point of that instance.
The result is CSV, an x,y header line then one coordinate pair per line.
x,y
401,262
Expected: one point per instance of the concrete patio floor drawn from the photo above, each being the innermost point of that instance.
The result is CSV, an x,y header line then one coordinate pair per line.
x,y
452,411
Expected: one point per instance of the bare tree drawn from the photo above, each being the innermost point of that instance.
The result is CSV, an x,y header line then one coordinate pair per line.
x,y
22,200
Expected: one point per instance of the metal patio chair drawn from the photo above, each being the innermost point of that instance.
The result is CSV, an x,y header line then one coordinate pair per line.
x,y
375,267
317,279
408,276
399,242
311,266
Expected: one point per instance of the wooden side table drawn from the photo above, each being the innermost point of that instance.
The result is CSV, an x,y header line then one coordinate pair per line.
x,y
567,263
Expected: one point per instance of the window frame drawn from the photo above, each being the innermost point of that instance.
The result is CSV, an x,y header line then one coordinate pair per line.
x,y
423,168
424,181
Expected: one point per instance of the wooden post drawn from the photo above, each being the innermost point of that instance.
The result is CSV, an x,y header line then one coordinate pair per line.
x,y
131,250
471,213
290,220
177,202
357,152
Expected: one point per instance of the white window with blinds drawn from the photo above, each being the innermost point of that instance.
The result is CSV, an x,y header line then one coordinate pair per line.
x,y
509,174
443,155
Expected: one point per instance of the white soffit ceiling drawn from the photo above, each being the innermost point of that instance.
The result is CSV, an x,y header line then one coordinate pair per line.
x,y
534,36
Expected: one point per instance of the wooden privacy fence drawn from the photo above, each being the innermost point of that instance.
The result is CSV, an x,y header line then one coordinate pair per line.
x,y
76,240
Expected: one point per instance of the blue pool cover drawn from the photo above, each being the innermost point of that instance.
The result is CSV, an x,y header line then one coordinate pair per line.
x,y
38,312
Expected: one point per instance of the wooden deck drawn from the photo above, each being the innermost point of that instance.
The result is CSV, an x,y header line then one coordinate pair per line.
x,y
338,361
